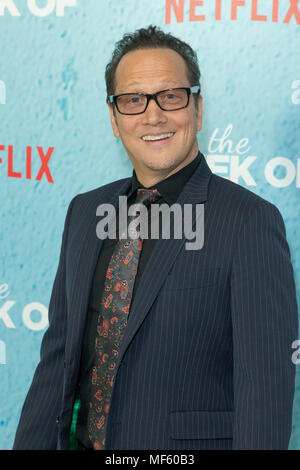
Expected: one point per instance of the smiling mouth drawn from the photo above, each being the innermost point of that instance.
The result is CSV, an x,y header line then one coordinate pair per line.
x,y
153,138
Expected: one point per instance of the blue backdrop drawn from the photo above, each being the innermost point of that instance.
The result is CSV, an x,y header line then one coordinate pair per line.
x,y
56,140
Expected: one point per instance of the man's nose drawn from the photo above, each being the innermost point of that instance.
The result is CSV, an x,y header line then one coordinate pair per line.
x,y
153,114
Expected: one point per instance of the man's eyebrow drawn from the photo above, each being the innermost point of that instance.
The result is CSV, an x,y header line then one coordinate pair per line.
x,y
163,83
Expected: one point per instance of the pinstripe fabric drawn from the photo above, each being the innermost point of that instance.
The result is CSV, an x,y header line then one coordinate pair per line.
x,y
205,362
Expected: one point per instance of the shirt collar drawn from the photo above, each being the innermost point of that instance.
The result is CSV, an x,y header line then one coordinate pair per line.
x,y
170,187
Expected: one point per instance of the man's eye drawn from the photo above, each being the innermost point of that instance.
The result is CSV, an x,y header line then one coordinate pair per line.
x,y
170,96
135,99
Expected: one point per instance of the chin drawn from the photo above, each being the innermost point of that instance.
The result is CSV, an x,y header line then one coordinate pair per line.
x,y
162,164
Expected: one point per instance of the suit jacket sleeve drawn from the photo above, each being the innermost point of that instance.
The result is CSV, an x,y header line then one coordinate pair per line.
x,y
37,427
265,323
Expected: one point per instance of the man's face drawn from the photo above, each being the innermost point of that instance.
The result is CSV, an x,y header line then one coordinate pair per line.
x,y
149,71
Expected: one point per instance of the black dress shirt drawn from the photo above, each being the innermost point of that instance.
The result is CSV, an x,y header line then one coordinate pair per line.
x,y
169,188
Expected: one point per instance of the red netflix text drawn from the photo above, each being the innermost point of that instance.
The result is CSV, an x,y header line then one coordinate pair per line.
x,y
44,157
257,10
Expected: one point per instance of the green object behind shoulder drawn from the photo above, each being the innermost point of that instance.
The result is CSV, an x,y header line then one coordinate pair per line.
x,y
73,443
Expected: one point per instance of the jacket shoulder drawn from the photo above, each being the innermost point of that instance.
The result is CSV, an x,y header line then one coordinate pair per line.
x,y
237,197
84,204
109,188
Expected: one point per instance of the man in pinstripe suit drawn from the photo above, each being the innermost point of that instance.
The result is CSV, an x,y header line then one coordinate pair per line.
x,y
205,362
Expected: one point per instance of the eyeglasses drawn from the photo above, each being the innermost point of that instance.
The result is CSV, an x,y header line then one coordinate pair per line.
x,y
168,100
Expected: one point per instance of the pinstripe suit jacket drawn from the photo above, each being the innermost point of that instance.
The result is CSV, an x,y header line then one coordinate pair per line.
x,y
206,358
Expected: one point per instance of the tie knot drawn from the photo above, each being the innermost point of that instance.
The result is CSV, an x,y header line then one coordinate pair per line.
x,y
145,196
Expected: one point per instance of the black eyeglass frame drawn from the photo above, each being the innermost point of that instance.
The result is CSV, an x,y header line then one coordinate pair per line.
x,y
194,89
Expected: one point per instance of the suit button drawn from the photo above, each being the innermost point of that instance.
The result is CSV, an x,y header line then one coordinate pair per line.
x,y
57,419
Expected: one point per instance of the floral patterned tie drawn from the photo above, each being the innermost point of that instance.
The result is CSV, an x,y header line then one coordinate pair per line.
x,y
112,321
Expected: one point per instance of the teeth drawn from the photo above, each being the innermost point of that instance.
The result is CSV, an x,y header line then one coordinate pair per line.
x,y
157,137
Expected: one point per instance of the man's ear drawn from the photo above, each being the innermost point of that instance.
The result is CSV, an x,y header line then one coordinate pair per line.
x,y
199,112
113,120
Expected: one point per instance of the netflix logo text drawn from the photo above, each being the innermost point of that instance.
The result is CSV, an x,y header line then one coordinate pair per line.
x,y
7,158
257,10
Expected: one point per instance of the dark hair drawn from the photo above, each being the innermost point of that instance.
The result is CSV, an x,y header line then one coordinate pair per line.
x,y
151,38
